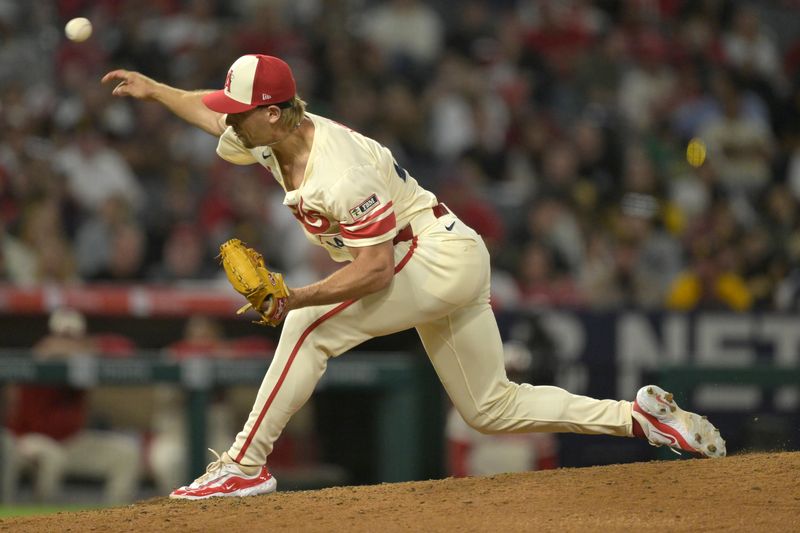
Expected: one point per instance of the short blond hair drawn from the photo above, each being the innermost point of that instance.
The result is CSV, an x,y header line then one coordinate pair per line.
x,y
293,114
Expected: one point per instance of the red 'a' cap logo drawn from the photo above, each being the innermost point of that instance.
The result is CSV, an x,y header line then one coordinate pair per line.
x,y
228,79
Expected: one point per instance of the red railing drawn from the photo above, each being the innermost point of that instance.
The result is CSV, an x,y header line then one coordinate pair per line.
x,y
120,300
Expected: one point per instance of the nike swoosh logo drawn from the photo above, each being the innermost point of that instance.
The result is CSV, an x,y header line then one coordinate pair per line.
x,y
450,227
672,440
265,155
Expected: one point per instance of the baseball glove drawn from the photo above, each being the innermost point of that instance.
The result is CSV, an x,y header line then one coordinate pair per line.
x,y
250,277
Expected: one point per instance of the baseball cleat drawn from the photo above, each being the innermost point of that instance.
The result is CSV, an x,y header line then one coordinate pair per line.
x,y
666,424
225,478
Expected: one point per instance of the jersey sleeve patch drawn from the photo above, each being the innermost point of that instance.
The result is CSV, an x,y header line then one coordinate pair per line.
x,y
376,224
364,207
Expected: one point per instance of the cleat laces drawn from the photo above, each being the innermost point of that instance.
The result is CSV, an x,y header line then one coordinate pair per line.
x,y
211,469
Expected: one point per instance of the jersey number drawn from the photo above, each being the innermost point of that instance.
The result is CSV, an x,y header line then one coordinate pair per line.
x,y
336,242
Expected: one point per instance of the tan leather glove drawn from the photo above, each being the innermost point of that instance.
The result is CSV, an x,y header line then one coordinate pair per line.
x,y
250,277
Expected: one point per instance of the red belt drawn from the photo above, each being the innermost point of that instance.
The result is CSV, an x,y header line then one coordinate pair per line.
x,y
406,234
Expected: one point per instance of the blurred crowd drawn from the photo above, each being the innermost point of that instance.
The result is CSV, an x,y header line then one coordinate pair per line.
x,y
557,128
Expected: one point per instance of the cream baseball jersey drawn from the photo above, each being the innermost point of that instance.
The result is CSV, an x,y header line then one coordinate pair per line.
x,y
353,192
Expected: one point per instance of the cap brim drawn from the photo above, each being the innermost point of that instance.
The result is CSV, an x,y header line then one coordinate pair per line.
x,y
222,103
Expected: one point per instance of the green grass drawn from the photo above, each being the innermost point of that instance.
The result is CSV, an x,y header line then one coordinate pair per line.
x,y
7,511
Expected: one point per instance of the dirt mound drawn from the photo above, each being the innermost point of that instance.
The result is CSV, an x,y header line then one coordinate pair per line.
x,y
756,492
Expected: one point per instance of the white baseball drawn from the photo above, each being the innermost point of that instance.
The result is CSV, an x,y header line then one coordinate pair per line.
x,y
78,29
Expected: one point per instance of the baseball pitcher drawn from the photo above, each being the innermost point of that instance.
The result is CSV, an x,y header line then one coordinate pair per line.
x,y
409,262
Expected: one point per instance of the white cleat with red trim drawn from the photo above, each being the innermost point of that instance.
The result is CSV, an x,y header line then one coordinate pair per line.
x,y
666,424
225,478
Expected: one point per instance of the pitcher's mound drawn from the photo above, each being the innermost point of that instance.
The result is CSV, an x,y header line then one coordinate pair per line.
x,y
756,492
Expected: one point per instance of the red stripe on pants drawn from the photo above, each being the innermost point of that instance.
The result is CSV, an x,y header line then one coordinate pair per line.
x,y
336,310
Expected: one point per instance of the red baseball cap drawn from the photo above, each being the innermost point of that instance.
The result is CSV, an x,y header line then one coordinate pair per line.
x,y
253,80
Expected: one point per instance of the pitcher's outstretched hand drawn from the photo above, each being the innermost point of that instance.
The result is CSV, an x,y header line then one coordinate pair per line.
x,y
131,83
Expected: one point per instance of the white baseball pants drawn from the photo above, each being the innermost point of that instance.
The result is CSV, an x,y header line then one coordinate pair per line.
x,y
441,288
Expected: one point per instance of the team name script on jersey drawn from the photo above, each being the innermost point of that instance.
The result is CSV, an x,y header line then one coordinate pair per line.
x,y
312,220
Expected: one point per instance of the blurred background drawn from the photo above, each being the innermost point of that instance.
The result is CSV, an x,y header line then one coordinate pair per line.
x,y
633,165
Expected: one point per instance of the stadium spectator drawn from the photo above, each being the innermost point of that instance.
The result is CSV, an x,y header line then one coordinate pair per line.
x,y
43,232
552,221
599,72
126,261
17,261
750,48
542,282
463,115
95,234
473,32
740,146
185,257
645,90
52,439
95,171
387,26
710,282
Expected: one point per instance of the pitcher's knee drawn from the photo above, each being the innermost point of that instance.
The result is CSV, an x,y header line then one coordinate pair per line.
x,y
506,412
484,423
487,418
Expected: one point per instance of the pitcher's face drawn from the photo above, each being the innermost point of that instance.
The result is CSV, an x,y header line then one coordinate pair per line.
x,y
256,127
